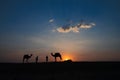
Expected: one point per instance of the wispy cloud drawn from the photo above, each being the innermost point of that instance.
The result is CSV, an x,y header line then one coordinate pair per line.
x,y
51,20
86,25
68,29
75,28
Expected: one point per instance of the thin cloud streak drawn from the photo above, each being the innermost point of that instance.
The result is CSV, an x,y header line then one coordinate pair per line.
x,y
51,20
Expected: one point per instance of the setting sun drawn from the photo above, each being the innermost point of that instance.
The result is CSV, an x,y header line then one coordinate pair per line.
x,y
67,57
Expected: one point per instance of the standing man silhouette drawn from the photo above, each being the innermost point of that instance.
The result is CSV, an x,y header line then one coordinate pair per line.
x,y
46,58
36,59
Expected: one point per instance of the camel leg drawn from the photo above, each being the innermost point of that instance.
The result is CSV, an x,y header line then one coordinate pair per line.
x,y
60,58
55,59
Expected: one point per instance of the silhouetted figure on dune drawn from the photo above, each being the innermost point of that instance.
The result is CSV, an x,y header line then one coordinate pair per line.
x,y
55,55
26,57
46,58
36,59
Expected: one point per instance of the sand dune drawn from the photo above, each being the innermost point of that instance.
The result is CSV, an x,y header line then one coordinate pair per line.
x,y
60,71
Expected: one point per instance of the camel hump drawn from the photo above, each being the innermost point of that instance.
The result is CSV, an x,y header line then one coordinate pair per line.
x,y
25,55
57,53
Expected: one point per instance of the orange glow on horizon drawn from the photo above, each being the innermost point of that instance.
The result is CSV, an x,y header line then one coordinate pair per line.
x,y
67,57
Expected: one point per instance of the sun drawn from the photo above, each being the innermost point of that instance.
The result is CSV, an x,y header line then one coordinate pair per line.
x,y
67,56
66,59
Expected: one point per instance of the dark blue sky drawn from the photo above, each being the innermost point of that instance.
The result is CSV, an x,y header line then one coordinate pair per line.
x,y
38,27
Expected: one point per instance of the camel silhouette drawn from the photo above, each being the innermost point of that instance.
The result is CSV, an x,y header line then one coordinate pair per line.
x,y
55,55
26,57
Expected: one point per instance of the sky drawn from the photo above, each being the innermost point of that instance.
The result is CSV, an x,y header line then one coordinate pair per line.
x,y
81,30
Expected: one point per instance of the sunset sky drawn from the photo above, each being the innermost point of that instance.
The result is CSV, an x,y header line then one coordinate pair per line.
x,y
81,30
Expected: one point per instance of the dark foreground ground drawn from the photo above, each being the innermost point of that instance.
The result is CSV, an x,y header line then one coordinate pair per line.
x,y
60,71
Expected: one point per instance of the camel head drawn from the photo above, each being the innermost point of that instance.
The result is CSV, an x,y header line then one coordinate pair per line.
x,y
52,54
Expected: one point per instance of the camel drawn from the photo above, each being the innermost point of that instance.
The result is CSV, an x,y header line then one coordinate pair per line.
x,y
55,55
26,57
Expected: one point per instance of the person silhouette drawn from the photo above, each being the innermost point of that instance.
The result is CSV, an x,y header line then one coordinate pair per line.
x,y
36,59
46,58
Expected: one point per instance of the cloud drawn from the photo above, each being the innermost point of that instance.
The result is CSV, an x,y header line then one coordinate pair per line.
x,y
75,28
68,29
51,20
